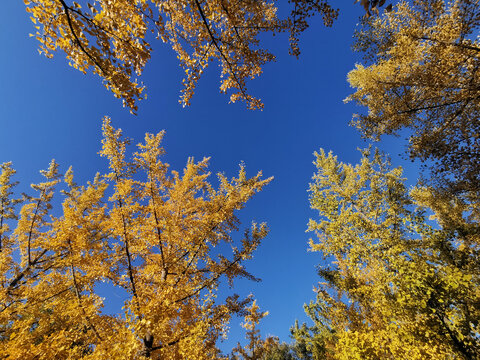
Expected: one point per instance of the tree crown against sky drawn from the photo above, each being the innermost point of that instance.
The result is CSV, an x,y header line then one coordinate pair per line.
x,y
396,284
166,241
421,75
112,38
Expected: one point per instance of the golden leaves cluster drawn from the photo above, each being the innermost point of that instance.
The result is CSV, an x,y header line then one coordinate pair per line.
x,y
113,38
421,75
397,284
257,348
153,233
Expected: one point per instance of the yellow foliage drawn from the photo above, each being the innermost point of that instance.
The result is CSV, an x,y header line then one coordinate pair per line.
x,y
397,285
257,348
113,38
420,74
140,228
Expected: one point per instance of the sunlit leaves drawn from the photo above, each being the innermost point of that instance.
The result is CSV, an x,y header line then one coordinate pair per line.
x,y
152,233
421,74
396,284
113,38
257,348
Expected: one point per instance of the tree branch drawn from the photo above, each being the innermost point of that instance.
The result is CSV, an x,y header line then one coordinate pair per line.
x,y
79,43
214,41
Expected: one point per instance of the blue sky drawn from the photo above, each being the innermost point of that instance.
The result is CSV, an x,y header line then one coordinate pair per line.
x,y
50,110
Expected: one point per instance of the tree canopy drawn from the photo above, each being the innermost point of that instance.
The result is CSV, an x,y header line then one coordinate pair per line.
x,y
422,76
396,284
399,272
113,38
153,233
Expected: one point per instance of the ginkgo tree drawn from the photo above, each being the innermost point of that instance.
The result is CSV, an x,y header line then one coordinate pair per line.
x,y
394,283
256,348
113,38
421,74
151,232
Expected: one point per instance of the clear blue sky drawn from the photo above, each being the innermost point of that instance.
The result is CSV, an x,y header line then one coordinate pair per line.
x,y
49,110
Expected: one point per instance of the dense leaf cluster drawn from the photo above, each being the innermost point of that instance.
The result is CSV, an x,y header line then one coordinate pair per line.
x,y
111,38
153,236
